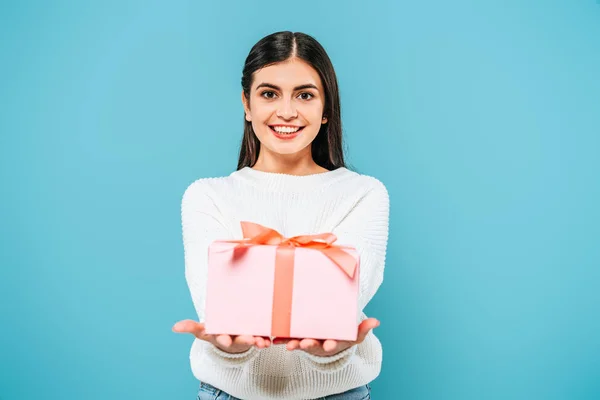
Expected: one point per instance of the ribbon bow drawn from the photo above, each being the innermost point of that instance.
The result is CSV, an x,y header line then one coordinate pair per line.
x,y
255,234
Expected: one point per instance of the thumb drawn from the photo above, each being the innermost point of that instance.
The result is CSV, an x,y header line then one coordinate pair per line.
x,y
188,326
364,328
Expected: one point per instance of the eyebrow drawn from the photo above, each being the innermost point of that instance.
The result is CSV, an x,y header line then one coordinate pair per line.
x,y
270,85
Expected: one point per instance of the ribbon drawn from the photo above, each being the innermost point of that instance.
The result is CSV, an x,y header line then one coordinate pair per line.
x,y
256,235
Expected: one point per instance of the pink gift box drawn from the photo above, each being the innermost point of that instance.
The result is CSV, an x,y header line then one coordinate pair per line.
x,y
285,289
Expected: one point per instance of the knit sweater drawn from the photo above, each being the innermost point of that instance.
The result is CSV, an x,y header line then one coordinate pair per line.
x,y
353,206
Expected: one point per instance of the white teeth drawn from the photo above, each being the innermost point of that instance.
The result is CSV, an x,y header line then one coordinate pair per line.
x,y
281,129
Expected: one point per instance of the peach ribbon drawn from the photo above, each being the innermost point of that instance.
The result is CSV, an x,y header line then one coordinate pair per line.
x,y
255,234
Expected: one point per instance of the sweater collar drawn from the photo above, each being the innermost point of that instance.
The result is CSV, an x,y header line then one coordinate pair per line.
x,y
280,181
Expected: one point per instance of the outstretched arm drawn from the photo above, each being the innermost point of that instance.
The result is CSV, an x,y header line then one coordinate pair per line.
x,y
201,225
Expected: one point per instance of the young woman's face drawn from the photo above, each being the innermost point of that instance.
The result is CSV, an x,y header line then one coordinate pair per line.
x,y
286,106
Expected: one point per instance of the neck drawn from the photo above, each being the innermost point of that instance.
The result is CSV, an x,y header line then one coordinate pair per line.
x,y
287,164
281,181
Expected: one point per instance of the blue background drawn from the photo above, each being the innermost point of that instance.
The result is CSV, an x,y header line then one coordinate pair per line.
x,y
482,118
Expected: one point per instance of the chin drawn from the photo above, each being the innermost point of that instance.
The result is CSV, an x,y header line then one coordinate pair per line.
x,y
284,150
276,146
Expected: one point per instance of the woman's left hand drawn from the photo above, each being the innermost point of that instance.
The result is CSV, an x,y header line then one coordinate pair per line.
x,y
329,347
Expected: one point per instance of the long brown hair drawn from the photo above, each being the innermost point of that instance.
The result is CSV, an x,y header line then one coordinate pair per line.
x,y
327,148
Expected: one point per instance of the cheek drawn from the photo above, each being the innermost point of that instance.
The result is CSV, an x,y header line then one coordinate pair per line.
x,y
313,133
262,107
316,112
259,118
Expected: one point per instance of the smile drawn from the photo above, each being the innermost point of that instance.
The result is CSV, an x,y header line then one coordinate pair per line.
x,y
286,132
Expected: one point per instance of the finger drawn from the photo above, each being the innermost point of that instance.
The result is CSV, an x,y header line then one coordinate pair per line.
x,y
260,342
282,340
244,340
330,345
187,326
193,327
293,344
224,340
364,328
307,344
267,341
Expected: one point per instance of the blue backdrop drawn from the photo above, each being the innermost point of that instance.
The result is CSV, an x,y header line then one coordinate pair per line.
x,y
482,118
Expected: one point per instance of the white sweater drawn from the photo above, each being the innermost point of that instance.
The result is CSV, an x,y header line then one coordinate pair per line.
x,y
354,207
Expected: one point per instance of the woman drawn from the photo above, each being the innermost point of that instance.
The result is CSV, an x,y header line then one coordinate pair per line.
x,y
291,177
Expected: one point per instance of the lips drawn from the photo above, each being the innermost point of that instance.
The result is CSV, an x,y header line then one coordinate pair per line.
x,y
285,135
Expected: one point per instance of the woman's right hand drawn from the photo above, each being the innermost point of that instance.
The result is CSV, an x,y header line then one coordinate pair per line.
x,y
227,343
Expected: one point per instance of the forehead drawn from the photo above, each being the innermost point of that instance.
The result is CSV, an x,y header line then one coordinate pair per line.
x,y
288,74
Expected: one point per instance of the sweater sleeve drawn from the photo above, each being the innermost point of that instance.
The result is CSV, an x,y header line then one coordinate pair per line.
x,y
366,228
202,223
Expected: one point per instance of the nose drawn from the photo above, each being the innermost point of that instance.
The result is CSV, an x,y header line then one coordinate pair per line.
x,y
286,110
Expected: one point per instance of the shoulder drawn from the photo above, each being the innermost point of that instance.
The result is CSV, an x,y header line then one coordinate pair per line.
x,y
207,187
204,198
366,184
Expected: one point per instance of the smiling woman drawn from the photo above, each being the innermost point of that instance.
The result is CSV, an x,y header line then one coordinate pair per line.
x,y
289,81
291,177
286,109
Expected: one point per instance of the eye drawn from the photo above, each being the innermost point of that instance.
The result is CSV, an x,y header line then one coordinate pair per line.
x,y
267,92
309,94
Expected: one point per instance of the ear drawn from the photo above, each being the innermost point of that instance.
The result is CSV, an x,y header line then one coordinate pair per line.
x,y
246,107
324,120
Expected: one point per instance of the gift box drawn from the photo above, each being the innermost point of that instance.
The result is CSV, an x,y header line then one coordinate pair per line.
x,y
267,285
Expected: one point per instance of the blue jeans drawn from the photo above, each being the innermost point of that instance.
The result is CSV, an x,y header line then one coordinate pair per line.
x,y
208,392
